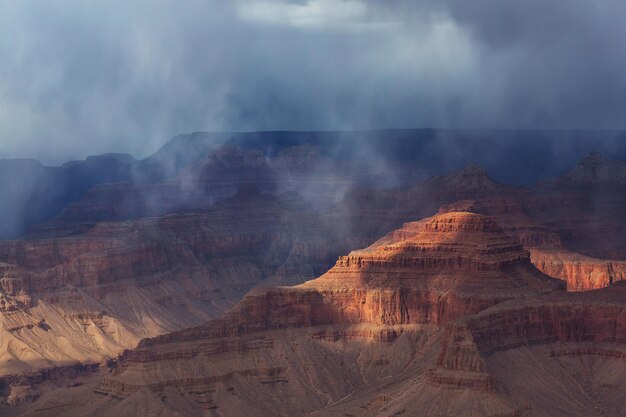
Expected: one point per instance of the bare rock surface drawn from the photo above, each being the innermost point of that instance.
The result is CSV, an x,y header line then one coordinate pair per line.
x,y
87,297
402,326
460,314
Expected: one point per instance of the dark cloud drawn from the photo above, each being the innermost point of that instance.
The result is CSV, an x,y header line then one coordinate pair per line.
x,y
81,76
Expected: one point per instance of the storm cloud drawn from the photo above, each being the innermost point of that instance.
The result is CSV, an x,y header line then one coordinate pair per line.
x,y
80,77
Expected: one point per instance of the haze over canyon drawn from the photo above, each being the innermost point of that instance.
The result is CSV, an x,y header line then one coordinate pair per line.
x,y
312,208
307,274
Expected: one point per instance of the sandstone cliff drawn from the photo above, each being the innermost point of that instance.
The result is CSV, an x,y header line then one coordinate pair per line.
x,y
291,351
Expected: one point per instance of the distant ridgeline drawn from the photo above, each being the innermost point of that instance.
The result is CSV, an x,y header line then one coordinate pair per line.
x,y
33,193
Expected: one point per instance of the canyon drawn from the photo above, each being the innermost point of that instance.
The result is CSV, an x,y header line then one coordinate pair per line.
x,y
195,292
84,297
437,309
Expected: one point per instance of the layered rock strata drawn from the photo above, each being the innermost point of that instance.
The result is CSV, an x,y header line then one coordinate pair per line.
x,y
88,297
390,298
528,222
445,316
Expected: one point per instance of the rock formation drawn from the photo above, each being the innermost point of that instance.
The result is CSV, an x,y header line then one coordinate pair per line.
x,y
572,232
539,235
86,297
373,320
462,313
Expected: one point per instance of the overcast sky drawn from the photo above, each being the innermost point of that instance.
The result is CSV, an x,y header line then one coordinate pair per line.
x,y
80,77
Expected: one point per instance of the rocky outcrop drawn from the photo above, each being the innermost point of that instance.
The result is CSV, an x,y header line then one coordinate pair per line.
x,y
472,180
566,320
582,273
437,309
538,234
88,297
577,225
425,275
428,272
368,213
23,388
430,311
592,318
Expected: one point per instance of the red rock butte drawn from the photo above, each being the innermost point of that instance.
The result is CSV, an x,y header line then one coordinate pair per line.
x,y
430,271
458,256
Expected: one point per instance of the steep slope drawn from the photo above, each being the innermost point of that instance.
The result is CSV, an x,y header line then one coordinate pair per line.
x,y
373,317
371,212
350,342
544,241
584,209
85,298
560,354
572,231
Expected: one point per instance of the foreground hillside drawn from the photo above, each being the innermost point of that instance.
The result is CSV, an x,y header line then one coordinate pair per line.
x,y
446,316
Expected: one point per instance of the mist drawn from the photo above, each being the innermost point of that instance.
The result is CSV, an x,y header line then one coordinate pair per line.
x,y
85,77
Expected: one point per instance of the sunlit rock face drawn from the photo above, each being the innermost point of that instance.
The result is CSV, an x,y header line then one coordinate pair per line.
x,y
571,225
373,315
444,315
455,262
548,226
429,271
